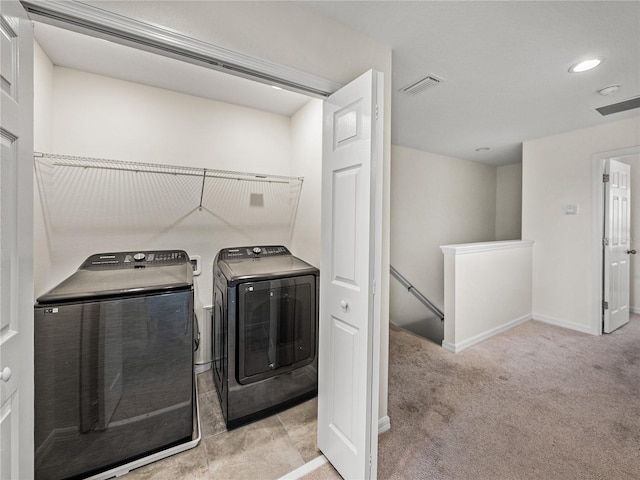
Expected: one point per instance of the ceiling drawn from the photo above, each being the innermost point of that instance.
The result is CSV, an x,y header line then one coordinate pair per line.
x,y
505,68
69,49
503,65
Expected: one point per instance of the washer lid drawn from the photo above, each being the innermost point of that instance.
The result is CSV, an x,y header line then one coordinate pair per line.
x,y
262,268
124,273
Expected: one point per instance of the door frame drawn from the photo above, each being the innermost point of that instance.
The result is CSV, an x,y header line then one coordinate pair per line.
x,y
597,228
95,22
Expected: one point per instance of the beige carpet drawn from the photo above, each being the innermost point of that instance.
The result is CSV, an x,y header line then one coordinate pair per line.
x,y
536,402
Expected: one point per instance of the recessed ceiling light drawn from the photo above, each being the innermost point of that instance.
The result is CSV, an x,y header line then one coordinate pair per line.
x,y
585,65
483,149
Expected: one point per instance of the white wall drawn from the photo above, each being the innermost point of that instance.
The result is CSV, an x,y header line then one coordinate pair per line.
x,y
42,142
80,212
306,154
435,200
557,172
509,202
103,117
42,101
487,290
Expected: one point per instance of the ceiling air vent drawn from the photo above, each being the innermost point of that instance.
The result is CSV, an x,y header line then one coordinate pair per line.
x,y
620,106
421,85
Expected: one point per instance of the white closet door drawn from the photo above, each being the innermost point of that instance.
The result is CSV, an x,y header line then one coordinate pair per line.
x,y
349,325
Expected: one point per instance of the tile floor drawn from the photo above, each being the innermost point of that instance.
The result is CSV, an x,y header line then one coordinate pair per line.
x,y
263,450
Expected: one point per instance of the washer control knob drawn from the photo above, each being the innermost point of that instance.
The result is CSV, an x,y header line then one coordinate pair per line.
x,y
138,257
257,250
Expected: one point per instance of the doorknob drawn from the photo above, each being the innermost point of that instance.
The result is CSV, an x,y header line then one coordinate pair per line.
x,y
344,304
5,374
632,252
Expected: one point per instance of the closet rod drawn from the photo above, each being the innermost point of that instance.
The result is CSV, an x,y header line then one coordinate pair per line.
x,y
84,162
199,175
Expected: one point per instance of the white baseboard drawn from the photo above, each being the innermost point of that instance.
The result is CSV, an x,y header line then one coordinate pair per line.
x,y
384,424
564,323
449,346
635,310
459,346
305,469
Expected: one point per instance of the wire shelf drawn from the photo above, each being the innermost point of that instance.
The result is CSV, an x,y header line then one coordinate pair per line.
x,y
107,164
83,195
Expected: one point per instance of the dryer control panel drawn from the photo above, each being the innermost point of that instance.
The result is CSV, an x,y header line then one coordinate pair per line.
x,y
135,259
252,252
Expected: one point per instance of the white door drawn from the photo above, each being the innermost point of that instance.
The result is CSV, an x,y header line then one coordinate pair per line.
x,y
16,243
617,246
349,309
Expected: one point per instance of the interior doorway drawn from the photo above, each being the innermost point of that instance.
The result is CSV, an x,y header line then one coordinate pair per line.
x,y
258,97
605,300
374,357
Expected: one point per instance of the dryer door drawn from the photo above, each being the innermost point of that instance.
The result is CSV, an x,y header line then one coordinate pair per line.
x,y
276,327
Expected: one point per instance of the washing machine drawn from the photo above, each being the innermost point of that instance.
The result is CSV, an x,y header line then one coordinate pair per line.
x,y
114,379
265,331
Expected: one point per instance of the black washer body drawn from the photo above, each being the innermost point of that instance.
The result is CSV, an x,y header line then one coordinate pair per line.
x,y
114,363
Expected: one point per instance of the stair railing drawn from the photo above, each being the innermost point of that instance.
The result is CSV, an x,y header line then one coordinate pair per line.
x,y
416,293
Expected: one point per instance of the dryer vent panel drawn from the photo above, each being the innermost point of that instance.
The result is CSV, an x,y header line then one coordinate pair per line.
x,y
421,85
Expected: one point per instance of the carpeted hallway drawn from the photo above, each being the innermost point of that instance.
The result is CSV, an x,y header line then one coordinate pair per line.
x,y
536,402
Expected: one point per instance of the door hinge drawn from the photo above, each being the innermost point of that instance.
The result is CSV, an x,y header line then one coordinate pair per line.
x,y
374,287
605,241
376,112
605,305
605,178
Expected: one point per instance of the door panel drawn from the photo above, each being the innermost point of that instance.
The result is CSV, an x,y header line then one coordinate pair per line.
x,y
16,241
345,345
616,250
345,241
351,220
9,70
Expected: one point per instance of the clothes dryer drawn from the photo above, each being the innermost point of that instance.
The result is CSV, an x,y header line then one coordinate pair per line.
x,y
265,324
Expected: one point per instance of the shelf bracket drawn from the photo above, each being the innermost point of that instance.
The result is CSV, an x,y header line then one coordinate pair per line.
x,y
204,177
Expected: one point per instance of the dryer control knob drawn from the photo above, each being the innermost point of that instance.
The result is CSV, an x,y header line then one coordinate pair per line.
x,y
257,250
138,257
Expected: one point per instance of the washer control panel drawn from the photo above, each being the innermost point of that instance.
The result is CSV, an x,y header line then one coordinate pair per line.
x,y
252,252
135,259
